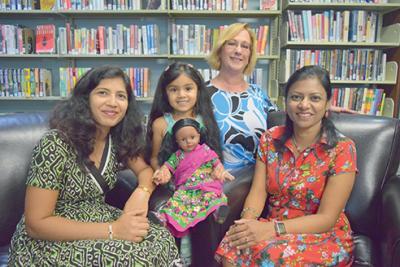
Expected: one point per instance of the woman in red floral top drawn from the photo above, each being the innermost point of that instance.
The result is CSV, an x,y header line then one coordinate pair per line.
x,y
307,168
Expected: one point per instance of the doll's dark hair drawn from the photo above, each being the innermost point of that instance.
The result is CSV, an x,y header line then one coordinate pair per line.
x,y
202,108
322,75
74,119
170,145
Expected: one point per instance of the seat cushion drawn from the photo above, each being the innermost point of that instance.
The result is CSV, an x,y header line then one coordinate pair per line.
x,y
3,256
365,254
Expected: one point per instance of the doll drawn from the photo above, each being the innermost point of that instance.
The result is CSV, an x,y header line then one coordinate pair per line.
x,y
198,179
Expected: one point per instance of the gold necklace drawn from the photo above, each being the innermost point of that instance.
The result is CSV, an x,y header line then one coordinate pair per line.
x,y
298,148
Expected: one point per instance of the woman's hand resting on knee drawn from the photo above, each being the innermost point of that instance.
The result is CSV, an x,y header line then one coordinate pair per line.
x,y
132,225
249,232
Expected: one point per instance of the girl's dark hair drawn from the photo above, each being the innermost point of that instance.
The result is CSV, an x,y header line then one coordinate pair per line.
x,y
169,144
310,72
203,106
73,118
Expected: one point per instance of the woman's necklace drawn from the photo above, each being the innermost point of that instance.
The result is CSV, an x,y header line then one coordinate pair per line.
x,y
298,148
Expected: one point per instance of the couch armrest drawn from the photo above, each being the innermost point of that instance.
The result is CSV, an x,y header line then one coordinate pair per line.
x,y
126,184
390,222
206,235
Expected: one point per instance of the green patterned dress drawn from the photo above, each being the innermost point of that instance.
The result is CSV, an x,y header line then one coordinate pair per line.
x,y
54,166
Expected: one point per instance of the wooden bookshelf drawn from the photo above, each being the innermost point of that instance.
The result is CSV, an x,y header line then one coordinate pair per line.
x,y
387,41
164,18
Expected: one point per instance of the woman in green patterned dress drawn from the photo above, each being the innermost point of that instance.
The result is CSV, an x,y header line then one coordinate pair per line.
x,y
66,220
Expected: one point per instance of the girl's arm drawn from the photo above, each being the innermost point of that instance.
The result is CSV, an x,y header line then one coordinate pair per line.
x,y
159,127
41,223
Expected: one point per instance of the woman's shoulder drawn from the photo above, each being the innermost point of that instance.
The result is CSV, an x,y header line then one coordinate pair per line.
x,y
275,132
54,139
343,141
54,135
211,89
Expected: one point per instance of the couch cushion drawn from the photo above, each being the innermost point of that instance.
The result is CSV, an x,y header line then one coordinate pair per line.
x,y
18,135
365,254
3,256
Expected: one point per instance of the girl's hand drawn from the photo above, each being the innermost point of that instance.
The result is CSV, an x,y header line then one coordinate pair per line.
x,y
227,176
161,176
131,225
219,173
249,232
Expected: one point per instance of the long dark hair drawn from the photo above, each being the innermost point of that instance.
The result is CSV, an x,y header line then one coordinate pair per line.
x,y
203,106
73,118
310,72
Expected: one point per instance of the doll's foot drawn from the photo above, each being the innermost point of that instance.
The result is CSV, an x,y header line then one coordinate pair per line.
x,y
157,218
220,214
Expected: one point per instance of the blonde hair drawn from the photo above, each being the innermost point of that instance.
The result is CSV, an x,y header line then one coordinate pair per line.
x,y
229,33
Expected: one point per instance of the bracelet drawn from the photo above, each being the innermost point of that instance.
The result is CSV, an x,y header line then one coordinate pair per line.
x,y
280,228
249,209
145,189
110,232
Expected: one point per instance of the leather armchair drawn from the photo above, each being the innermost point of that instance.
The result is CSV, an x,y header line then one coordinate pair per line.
x,y
374,205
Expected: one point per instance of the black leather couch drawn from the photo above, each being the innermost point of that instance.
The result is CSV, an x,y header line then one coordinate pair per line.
x,y
374,205
373,209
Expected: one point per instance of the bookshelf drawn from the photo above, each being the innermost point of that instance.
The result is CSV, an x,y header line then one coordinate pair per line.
x,y
163,18
353,42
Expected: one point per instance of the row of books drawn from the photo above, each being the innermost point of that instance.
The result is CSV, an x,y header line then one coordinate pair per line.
x,y
27,4
25,82
343,64
62,5
17,39
103,40
332,26
364,100
110,4
139,79
226,5
256,77
340,1
107,40
198,39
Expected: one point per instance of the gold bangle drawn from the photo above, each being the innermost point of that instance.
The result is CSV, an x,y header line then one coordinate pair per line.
x,y
145,189
110,232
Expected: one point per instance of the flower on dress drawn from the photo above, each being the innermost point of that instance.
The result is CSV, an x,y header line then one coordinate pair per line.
x,y
288,252
311,179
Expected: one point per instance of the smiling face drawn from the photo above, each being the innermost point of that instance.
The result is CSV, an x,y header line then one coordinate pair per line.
x,y
235,53
108,103
187,138
182,95
306,104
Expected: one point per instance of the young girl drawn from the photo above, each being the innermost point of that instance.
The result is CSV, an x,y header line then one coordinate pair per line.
x,y
197,193
180,94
